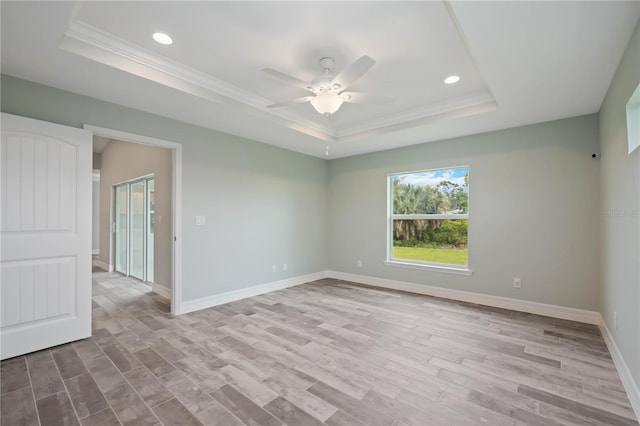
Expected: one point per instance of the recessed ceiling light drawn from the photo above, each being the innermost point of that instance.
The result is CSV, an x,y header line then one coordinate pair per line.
x,y
162,38
452,79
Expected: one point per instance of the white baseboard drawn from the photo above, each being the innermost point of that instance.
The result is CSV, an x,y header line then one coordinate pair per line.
x,y
580,315
104,266
625,375
231,296
554,311
161,290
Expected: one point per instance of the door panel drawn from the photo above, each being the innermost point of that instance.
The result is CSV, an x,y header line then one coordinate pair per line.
x,y
37,167
45,260
150,223
37,290
137,230
122,220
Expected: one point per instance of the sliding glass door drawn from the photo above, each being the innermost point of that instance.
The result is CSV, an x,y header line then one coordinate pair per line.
x,y
121,228
137,232
150,221
133,227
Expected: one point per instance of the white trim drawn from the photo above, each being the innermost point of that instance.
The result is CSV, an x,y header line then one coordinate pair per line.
x,y
590,317
176,285
415,264
461,106
429,267
103,266
554,311
95,251
243,293
623,370
176,249
101,46
161,290
416,216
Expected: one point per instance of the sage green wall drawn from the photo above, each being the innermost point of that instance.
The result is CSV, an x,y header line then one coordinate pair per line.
x,y
264,205
534,203
121,162
620,212
533,211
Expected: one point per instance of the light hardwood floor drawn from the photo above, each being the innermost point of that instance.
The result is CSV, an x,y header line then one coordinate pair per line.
x,y
328,352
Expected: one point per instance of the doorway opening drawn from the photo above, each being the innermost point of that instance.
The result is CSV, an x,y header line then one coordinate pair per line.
x,y
160,242
133,214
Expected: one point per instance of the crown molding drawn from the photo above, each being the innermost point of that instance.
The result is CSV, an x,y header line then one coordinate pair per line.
x,y
93,43
98,45
463,106
111,44
424,111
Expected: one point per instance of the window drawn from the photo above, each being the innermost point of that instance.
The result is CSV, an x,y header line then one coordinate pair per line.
x,y
428,219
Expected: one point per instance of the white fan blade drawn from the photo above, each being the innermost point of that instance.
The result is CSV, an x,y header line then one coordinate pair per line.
x,y
292,101
352,74
287,78
355,97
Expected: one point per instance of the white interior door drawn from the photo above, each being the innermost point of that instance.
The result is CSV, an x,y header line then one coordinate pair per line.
x,y
45,235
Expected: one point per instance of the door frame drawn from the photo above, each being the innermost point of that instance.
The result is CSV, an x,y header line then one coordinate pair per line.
x,y
176,208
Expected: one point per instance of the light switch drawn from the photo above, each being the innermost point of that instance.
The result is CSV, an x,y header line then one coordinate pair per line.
x,y
201,220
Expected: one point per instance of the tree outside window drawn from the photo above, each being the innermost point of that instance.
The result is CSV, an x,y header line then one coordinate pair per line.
x,y
428,220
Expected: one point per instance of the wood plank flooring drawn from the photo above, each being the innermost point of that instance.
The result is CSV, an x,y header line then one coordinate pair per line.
x,y
324,353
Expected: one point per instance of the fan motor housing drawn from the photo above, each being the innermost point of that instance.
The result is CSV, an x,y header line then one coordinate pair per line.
x,y
322,84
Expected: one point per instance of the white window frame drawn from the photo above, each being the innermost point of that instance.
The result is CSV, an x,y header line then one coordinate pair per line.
x,y
416,264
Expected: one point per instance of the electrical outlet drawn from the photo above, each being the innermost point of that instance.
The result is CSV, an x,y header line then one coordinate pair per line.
x,y
517,283
274,268
615,320
359,263
284,266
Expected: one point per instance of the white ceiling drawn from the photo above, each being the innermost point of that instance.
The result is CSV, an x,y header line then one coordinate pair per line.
x,y
519,63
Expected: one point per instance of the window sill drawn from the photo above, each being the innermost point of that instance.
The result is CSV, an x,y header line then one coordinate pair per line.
x,y
433,268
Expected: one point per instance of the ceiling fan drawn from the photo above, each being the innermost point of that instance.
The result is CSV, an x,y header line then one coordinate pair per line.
x,y
328,89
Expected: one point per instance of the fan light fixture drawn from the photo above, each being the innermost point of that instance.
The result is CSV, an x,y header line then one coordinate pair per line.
x,y
326,103
328,89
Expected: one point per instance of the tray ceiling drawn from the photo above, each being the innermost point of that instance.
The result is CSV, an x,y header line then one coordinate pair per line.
x,y
519,63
